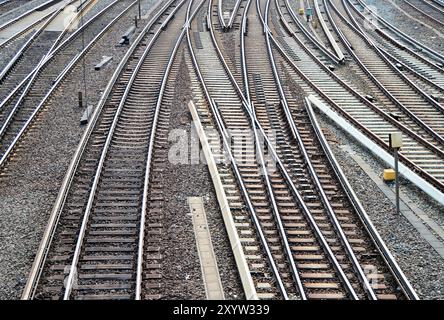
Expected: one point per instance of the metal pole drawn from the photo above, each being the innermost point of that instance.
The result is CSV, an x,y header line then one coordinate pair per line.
x,y
396,181
140,13
80,99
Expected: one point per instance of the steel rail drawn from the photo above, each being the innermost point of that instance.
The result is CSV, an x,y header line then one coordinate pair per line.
x,y
371,230
381,53
83,6
243,33
110,134
345,281
439,3
220,15
425,175
313,39
26,45
424,13
140,259
439,57
355,26
51,54
232,79
280,165
237,174
327,32
276,213
39,261
388,94
416,74
61,76
233,14
25,14
396,43
329,210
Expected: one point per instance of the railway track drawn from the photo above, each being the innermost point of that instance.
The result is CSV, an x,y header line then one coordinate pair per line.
x,y
428,74
311,37
301,227
433,14
24,102
319,175
370,117
41,12
406,98
261,205
107,198
8,5
40,44
399,35
226,12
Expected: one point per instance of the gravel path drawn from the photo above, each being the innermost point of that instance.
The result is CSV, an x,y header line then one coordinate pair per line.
x,y
419,261
31,181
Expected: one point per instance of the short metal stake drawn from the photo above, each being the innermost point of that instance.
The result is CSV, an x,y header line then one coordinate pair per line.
x,y
395,142
80,99
396,180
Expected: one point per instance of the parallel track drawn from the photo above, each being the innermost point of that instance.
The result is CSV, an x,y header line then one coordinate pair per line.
x,y
107,196
399,35
24,102
226,120
432,14
395,91
425,72
371,118
302,228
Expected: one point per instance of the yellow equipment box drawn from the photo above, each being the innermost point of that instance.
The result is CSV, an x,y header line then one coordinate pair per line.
x,y
389,174
301,11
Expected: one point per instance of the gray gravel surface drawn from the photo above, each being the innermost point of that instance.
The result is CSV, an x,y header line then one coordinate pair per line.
x,y
419,261
30,182
411,27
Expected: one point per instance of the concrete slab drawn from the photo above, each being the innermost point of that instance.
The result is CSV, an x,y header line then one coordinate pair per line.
x,y
208,262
